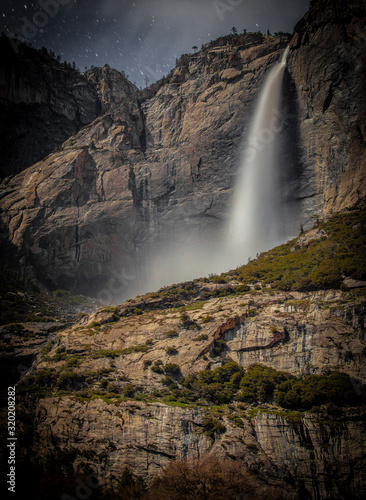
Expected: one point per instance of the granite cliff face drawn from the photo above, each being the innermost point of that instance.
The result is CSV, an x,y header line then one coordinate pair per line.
x,y
112,86
42,103
316,456
158,167
155,172
146,437
328,66
144,174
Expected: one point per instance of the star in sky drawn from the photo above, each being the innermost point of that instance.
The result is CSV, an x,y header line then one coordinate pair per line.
x,y
142,38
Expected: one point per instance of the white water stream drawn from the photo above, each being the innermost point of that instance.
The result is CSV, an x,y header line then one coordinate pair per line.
x,y
260,213
255,220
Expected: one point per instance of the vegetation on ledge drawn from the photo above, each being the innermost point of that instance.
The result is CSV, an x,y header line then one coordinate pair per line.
x,y
316,265
224,385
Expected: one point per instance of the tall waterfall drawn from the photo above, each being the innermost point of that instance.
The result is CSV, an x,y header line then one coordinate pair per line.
x,y
258,206
258,211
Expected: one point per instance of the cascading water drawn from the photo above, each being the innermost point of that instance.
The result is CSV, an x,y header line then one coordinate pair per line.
x,y
258,211
257,221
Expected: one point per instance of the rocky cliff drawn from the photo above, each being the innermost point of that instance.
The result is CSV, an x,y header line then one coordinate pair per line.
x,y
42,102
226,367
328,66
106,401
155,172
107,438
142,176
143,383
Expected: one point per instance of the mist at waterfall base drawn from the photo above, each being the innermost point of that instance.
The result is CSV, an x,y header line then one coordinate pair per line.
x,y
261,215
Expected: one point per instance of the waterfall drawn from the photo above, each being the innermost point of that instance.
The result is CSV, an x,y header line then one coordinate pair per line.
x,y
257,220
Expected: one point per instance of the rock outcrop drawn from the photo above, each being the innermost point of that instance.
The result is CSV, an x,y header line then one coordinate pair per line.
x,y
112,86
316,459
328,66
317,456
155,172
300,333
145,175
42,102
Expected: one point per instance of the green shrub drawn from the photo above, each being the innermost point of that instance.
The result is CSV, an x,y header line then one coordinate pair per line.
x,y
70,380
321,264
219,347
314,390
169,382
207,319
110,309
213,427
171,334
103,383
201,337
172,351
135,348
256,384
106,353
73,361
259,382
111,388
251,313
43,379
172,369
219,280
59,356
217,386
187,323
129,390
158,367
48,347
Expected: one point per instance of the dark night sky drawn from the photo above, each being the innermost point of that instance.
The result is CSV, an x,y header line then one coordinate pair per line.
x,y
141,37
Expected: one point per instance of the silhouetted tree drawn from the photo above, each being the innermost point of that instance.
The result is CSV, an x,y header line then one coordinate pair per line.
x,y
130,486
210,478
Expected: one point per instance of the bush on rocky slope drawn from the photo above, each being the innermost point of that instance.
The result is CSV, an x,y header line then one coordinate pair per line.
x,y
317,264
